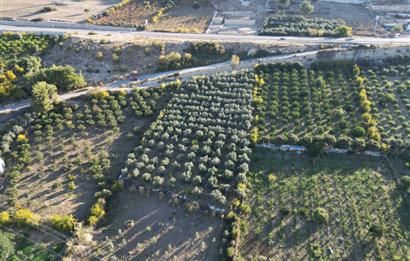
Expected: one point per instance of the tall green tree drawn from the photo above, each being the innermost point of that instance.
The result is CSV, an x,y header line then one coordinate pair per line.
x,y
344,31
44,96
306,7
235,60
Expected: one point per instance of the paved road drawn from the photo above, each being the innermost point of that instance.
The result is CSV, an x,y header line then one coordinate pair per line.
x,y
35,28
154,80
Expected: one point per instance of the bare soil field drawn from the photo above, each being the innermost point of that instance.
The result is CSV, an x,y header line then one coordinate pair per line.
x,y
65,10
94,57
180,18
135,54
146,228
185,18
356,16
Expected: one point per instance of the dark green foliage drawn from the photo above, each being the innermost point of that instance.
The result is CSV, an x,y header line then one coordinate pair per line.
x,y
359,132
196,54
278,25
376,230
406,182
64,77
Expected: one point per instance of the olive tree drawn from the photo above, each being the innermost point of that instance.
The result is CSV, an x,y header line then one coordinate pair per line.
x,y
44,96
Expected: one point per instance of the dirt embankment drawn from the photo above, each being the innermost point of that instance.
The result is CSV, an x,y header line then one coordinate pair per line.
x,y
105,58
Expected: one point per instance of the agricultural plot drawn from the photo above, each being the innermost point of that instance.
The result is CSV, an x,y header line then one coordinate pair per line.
x,y
333,208
145,226
172,16
279,25
199,145
61,162
335,104
388,88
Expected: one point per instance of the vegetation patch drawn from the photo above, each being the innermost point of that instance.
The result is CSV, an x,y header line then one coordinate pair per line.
x,y
285,25
60,162
196,54
20,245
199,145
335,207
21,67
334,104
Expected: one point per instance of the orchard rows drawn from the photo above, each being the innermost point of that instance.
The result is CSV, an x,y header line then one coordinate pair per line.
x,y
200,142
356,199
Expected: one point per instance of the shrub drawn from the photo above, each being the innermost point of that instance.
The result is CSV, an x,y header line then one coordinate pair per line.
x,y
320,215
44,96
376,230
26,217
71,185
115,58
117,185
48,9
235,60
344,31
22,138
7,247
230,252
406,182
306,7
359,132
64,223
272,178
4,217
97,212
245,209
99,55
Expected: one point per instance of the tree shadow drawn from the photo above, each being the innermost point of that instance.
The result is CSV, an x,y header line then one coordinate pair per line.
x,y
359,251
402,210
